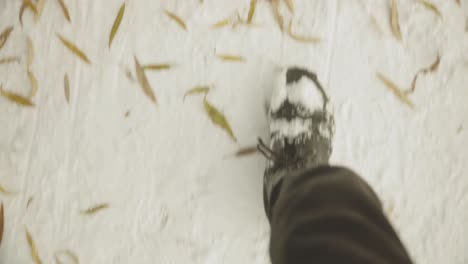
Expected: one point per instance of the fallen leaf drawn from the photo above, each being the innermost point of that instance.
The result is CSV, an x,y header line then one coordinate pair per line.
x,y
95,209
246,151
1,223
197,90
229,57
129,75
32,246
277,14
395,21
30,53
432,68
431,7
16,98
177,19
117,21
458,2
290,5
5,35
127,114
40,7
157,67
68,254
218,118
29,202
396,90
253,4
74,49
33,81
66,87
222,23
302,39
143,81
27,4
65,10
7,60
5,191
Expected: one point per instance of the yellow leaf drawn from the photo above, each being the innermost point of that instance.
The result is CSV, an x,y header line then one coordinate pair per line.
x,y
16,98
143,81
395,20
116,25
5,191
431,7
40,7
74,49
253,4
66,87
222,23
7,60
30,53
27,4
246,151
33,81
157,67
32,246
177,19
229,57
5,35
1,223
95,209
302,39
68,254
277,14
65,10
396,90
197,90
218,118
290,5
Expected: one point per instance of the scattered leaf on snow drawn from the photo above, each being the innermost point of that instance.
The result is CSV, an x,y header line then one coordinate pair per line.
x,y
66,87
27,4
33,81
32,247
127,114
1,223
5,35
16,98
95,209
5,191
157,67
222,23
229,57
197,90
396,90
40,7
290,5
253,4
218,118
7,60
64,10
432,68
29,202
303,39
277,14
68,254
74,49
117,21
431,7
30,53
177,19
246,151
395,22
143,81
458,2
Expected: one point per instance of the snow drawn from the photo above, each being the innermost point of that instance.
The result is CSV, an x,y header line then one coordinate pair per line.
x,y
175,195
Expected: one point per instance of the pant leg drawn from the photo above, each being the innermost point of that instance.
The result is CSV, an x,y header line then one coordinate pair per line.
x,y
330,215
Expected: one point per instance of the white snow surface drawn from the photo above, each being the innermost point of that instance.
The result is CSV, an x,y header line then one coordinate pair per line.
x,y
175,194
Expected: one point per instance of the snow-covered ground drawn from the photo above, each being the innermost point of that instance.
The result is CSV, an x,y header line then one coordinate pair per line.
x,y
175,194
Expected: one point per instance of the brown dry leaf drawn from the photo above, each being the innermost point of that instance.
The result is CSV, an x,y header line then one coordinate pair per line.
x,y
277,14
5,35
32,246
68,254
218,118
396,90
40,7
246,151
16,98
33,81
7,60
74,49
28,203
431,7
143,81
197,90
30,53
290,5
27,4
229,57
458,2
432,68
1,223
66,87
177,19
65,12
95,209
116,25
157,67
395,22
253,4
303,39
5,191
127,114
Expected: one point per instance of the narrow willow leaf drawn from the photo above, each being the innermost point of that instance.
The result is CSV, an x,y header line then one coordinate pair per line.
x,y
222,23
5,35
116,25
157,67
396,90
143,81
277,14
16,98
7,60
32,247
246,151
40,7
290,5
68,254
395,22
431,68
431,7
229,57
74,49
5,191
29,201
1,223
197,90
177,19
218,118
253,5
66,87
27,4
33,81
64,10
30,53
303,39
95,209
